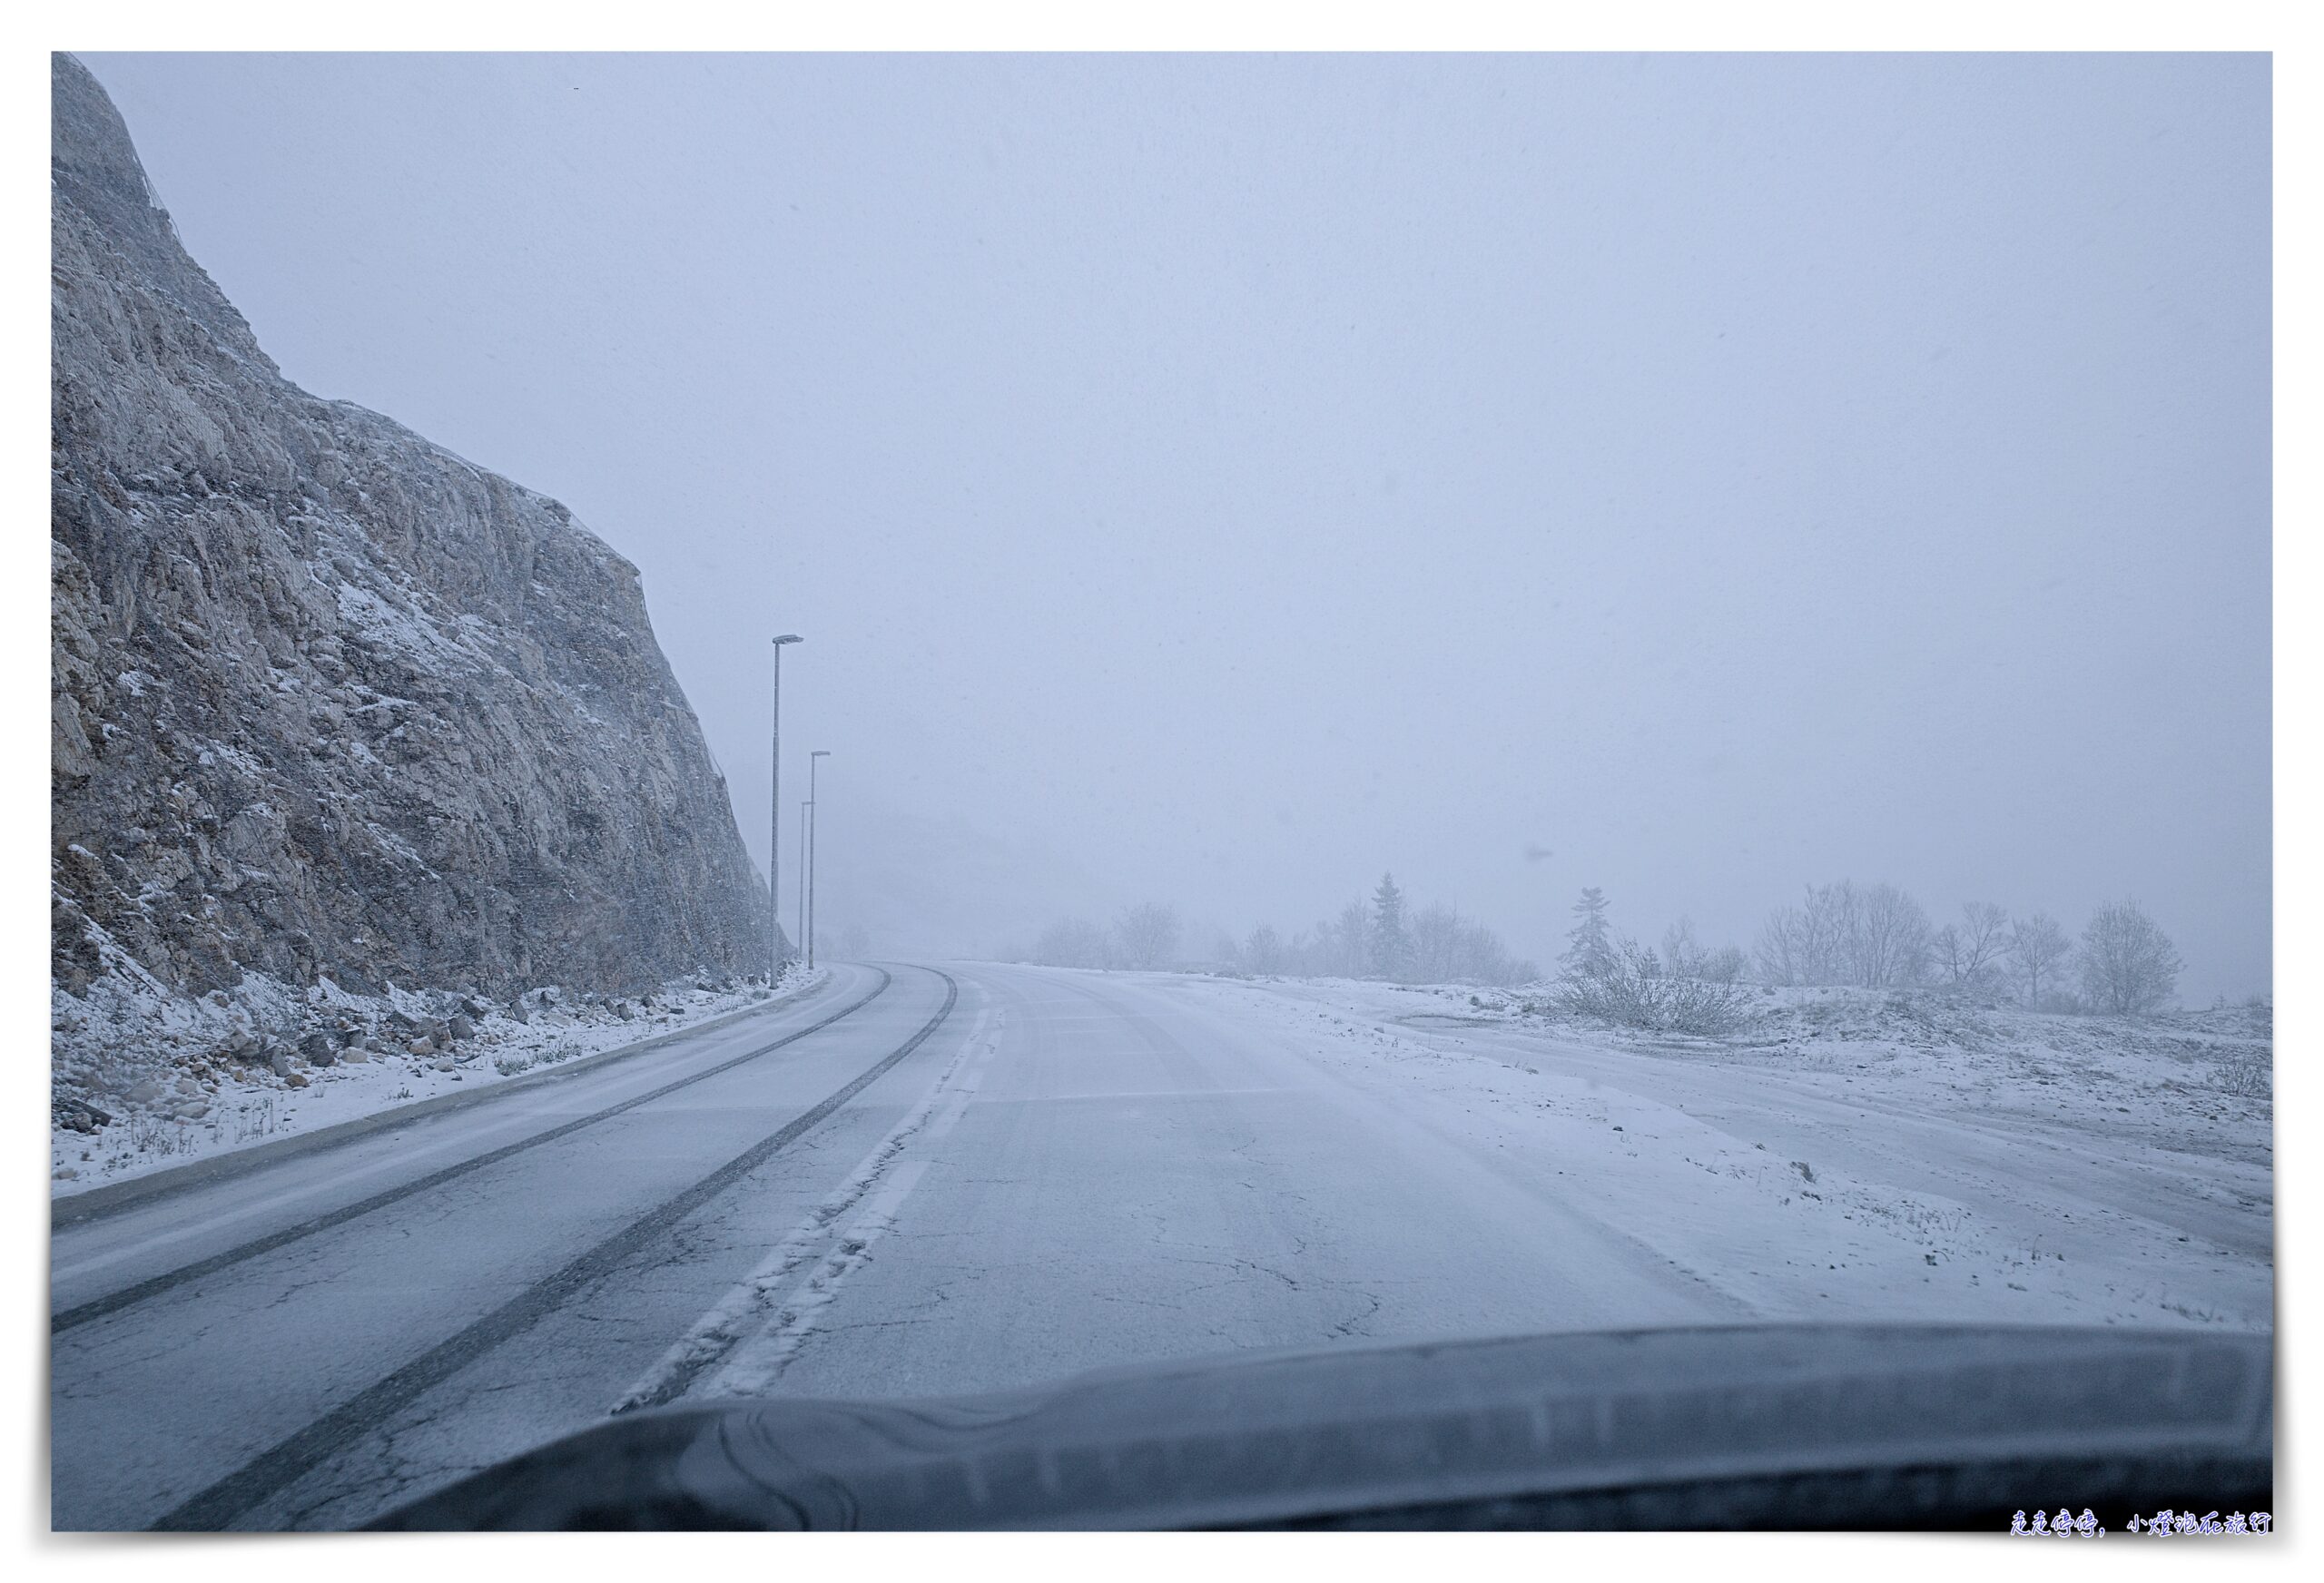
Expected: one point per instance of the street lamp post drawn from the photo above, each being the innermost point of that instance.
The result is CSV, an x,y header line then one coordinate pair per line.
x,y
775,822
801,914
814,820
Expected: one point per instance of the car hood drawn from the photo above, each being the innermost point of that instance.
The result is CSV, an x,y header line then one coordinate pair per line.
x,y
1794,1426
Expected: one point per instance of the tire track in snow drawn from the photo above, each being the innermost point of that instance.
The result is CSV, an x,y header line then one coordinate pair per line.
x,y
292,1457
115,1302
750,1336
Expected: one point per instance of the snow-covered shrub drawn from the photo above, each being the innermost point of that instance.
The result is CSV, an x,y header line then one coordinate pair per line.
x,y
1629,985
2246,1073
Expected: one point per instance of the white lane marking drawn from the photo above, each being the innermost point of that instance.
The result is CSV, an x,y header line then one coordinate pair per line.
x,y
744,1309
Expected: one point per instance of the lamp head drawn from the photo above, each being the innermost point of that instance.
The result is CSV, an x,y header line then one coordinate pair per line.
x,y
788,637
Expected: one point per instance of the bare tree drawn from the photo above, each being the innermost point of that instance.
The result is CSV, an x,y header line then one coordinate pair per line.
x,y
1946,949
1072,942
1806,944
1968,954
1887,937
1486,959
1263,952
1436,945
1721,965
2129,965
1781,951
1845,933
1448,949
2036,949
1984,934
1685,956
1682,955
1148,935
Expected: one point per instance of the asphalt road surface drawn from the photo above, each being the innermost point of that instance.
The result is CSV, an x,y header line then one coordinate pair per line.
x,y
910,1182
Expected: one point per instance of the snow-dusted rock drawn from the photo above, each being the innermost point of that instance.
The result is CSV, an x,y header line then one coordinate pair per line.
x,y
331,703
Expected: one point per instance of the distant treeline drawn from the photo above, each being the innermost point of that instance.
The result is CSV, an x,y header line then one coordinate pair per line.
x,y
1382,937
1873,936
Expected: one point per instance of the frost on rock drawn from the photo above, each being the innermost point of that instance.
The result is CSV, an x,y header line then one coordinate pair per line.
x,y
332,710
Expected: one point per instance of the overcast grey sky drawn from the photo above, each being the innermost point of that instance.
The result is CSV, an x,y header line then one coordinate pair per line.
x,y
1223,478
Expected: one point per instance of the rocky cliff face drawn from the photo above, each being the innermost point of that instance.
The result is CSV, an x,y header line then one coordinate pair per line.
x,y
330,702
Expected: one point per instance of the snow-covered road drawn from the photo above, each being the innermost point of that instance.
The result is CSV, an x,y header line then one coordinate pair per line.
x,y
912,1182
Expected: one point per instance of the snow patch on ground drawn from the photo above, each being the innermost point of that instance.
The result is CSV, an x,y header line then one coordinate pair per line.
x,y
1854,1153
146,1078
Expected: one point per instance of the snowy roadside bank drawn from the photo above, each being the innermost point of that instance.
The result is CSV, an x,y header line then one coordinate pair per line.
x,y
144,1083
1852,1154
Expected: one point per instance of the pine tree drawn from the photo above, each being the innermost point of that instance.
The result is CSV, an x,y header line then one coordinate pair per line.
x,y
1590,945
1392,944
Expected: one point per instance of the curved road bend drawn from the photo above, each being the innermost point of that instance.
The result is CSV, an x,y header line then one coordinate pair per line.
x,y
985,1177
